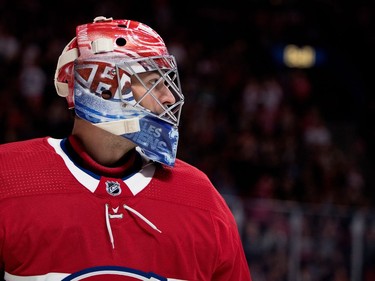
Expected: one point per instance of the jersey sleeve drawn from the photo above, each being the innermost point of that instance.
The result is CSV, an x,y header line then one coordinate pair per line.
x,y
231,260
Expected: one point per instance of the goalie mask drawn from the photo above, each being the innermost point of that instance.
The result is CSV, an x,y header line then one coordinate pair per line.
x,y
118,75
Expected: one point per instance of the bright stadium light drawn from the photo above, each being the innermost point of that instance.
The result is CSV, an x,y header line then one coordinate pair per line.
x,y
299,57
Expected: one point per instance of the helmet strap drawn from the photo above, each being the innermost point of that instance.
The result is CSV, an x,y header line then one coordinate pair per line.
x,y
120,127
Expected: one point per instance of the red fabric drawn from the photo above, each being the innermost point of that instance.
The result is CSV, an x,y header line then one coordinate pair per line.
x,y
49,222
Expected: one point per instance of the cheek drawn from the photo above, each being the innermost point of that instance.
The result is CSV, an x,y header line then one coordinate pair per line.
x,y
137,91
149,103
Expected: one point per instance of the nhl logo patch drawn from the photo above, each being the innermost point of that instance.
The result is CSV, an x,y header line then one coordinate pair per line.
x,y
113,188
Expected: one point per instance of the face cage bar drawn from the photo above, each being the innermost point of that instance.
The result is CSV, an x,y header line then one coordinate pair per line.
x,y
171,113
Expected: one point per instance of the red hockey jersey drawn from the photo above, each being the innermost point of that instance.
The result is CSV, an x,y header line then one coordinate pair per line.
x,y
59,221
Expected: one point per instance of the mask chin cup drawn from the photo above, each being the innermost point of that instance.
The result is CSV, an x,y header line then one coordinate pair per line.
x,y
157,139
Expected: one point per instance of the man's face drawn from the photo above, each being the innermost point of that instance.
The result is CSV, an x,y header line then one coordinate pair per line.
x,y
159,96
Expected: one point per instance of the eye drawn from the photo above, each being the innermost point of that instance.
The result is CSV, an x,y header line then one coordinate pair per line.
x,y
153,81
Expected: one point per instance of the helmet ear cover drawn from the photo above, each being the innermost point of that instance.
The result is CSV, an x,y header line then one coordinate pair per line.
x,y
64,74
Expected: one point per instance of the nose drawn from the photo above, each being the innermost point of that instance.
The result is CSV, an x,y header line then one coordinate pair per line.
x,y
166,97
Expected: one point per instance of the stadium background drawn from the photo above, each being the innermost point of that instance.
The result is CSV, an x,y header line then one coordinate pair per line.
x,y
290,144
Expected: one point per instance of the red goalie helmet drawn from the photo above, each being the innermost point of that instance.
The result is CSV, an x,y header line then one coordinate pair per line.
x,y
130,39
95,73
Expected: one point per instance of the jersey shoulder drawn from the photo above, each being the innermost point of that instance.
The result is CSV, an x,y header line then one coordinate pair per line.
x,y
30,167
14,154
187,185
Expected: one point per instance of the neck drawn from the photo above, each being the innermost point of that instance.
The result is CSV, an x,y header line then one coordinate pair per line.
x,y
104,147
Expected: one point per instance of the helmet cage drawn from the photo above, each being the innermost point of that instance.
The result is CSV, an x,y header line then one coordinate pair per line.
x,y
113,75
165,66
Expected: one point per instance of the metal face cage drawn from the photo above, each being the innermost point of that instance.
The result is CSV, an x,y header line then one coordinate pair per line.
x,y
166,70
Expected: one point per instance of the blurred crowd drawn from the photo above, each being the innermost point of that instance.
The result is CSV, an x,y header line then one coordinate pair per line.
x,y
308,242
257,127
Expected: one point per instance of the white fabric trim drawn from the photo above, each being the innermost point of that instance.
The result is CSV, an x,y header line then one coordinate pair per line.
x,y
136,183
53,276
140,180
85,179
